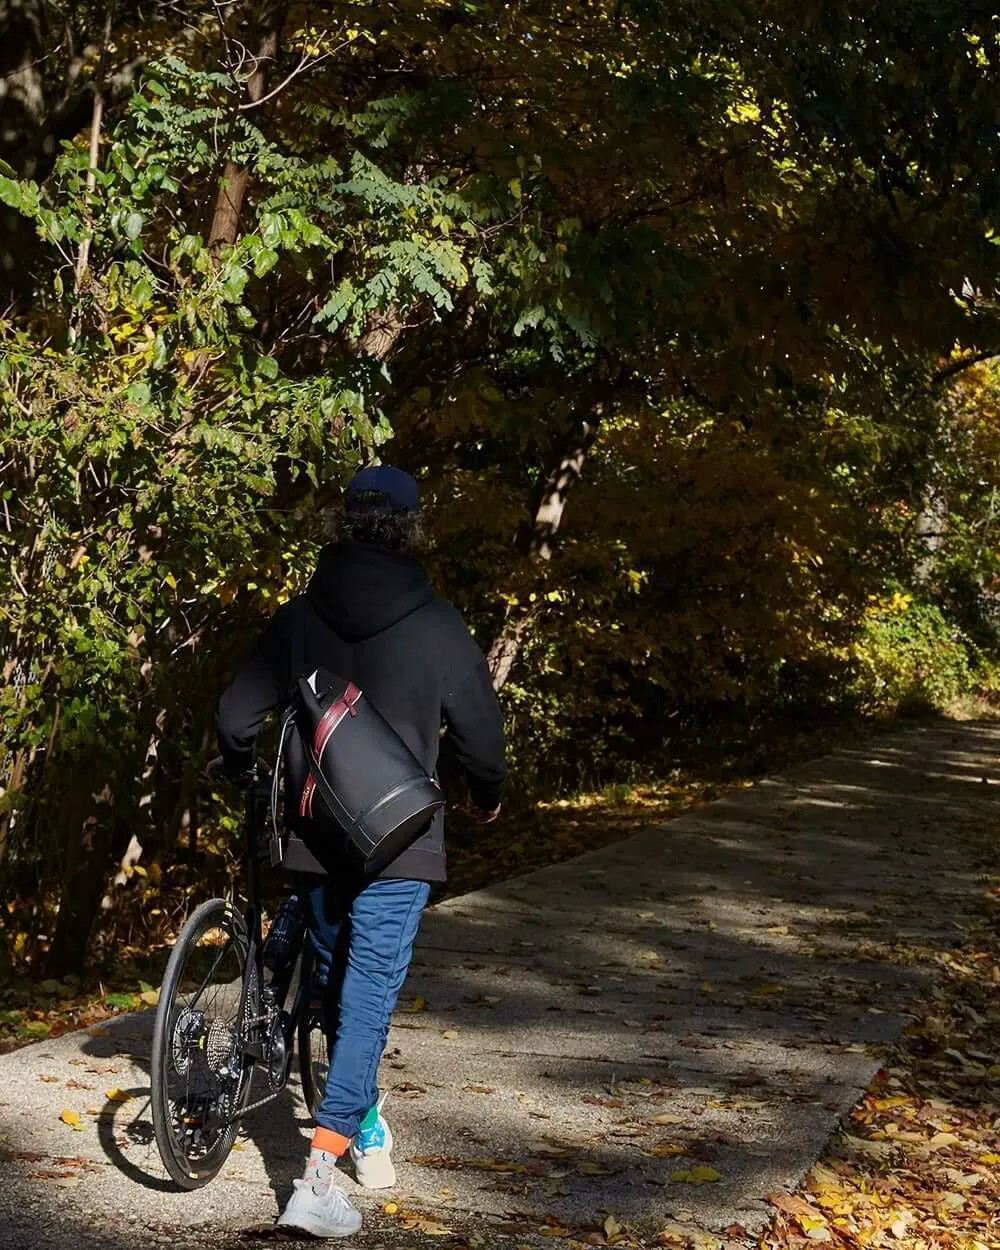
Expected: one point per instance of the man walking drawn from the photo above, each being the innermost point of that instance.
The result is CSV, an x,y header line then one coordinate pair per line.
x,y
373,619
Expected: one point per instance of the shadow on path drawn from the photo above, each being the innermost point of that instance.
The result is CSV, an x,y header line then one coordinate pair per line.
x,y
712,993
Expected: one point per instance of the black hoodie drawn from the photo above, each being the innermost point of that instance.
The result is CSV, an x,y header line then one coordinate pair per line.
x,y
375,620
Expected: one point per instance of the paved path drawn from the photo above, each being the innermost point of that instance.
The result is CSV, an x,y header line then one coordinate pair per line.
x,y
711,993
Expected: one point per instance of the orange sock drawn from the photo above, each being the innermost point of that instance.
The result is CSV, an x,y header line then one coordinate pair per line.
x,y
332,1143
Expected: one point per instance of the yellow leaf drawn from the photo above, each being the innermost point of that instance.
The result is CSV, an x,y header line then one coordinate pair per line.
x,y
696,1176
989,1158
450,1034
117,1095
150,997
418,1004
390,1208
72,1118
429,1227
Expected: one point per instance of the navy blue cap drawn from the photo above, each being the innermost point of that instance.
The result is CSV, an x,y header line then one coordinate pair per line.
x,y
398,490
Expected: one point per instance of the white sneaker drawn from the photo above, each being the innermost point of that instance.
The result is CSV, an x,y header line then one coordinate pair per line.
x,y
371,1153
318,1207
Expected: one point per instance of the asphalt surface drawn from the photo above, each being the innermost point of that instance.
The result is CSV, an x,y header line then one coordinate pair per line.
x,y
662,1032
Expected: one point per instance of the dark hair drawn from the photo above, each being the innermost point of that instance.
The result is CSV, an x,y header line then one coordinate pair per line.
x,y
395,531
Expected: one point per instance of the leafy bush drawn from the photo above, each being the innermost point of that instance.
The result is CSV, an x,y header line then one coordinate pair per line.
x,y
910,658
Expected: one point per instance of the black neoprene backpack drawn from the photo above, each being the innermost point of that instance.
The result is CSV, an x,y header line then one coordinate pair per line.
x,y
352,785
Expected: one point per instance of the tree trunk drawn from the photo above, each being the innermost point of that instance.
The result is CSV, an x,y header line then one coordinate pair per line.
x,y
93,850
225,226
94,150
931,529
537,536
506,648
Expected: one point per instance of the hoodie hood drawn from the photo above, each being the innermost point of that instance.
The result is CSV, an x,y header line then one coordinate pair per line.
x,y
360,591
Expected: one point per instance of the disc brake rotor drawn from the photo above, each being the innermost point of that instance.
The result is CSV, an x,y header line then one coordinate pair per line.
x,y
187,1029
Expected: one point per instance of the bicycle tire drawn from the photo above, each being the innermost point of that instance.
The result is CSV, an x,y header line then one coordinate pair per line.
x,y
311,1042
211,1058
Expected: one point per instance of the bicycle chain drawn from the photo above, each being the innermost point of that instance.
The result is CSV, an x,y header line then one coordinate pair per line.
x,y
254,1106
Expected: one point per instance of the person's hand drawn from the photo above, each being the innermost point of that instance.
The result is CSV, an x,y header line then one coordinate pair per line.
x,y
480,815
212,771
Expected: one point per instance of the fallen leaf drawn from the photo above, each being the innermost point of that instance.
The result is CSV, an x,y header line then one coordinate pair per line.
x,y
430,1228
478,1089
150,997
418,1005
36,1028
696,1176
862,1145
72,1118
407,1089
792,1204
667,1150
117,1095
449,1034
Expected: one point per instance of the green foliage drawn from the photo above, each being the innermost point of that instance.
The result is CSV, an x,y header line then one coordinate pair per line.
x,y
910,658
457,237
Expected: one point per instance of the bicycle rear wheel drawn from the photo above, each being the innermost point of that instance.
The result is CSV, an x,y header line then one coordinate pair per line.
x,y
200,1075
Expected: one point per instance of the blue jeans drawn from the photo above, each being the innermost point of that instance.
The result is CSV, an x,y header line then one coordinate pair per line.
x,y
363,936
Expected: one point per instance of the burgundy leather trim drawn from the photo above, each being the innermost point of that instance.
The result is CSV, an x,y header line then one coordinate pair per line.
x,y
306,805
332,717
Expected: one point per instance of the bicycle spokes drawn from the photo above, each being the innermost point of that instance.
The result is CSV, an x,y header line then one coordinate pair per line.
x,y
208,1070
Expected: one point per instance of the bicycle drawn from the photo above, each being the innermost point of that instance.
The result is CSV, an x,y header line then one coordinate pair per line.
x,y
219,1021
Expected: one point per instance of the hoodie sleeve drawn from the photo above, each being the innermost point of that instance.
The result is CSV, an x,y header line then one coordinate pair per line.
x,y
474,721
254,693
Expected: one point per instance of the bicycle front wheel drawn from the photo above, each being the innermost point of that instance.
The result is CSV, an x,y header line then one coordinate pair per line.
x,y
200,1074
313,1044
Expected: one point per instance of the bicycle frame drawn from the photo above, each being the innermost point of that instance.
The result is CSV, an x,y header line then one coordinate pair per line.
x,y
258,1031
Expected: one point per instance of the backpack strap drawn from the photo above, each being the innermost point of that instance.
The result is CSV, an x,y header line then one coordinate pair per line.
x,y
297,655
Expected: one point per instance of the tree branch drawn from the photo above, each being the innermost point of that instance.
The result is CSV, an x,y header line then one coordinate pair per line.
x,y
959,366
